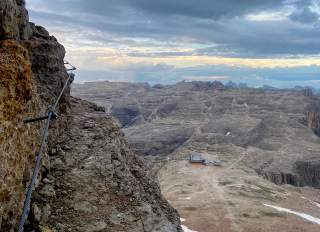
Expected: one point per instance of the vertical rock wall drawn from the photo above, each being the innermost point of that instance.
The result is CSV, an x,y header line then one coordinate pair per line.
x,y
49,74
31,76
313,119
18,100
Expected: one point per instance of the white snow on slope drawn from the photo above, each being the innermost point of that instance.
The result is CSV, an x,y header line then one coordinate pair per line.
x,y
186,229
313,202
303,215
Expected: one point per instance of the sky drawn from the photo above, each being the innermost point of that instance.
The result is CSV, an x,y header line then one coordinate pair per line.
x,y
259,42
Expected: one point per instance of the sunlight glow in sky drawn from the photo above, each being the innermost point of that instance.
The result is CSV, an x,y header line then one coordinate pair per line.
x,y
274,42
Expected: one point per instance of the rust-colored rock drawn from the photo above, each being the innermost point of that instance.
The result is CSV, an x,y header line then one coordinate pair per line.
x,y
18,100
31,75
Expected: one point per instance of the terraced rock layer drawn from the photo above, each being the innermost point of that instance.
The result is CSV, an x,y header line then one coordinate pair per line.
x,y
273,132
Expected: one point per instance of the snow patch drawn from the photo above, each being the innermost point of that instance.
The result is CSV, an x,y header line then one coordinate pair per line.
x,y
303,215
313,202
186,229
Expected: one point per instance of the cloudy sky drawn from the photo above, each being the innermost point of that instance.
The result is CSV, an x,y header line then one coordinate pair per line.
x,y
273,42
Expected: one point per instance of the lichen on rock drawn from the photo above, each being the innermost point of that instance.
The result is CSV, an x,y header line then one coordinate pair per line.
x,y
27,60
18,100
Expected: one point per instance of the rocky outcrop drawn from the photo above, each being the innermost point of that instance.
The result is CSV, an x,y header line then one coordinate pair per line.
x,y
313,119
305,173
126,115
280,178
18,100
25,91
14,22
151,142
201,85
309,172
98,184
49,74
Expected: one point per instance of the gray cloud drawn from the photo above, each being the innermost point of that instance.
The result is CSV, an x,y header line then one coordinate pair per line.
x,y
305,15
206,8
189,8
209,27
205,22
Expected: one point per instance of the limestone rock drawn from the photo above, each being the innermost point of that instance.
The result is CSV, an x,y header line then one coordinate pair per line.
x,y
36,212
47,191
85,207
94,227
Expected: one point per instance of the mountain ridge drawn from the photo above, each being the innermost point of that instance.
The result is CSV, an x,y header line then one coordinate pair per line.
x,y
273,121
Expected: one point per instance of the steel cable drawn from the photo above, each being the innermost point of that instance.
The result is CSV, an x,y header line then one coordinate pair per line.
x,y
45,133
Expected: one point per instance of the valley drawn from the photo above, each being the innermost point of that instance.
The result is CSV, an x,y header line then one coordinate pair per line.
x,y
265,140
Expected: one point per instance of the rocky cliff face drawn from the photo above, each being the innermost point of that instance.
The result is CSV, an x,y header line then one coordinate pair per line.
x,y
313,117
17,141
303,173
32,74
